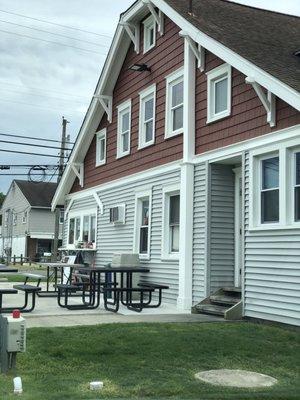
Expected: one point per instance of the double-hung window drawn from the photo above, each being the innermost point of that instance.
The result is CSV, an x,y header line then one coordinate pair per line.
x,y
270,190
149,33
297,186
174,104
218,93
147,117
124,129
171,222
143,224
101,147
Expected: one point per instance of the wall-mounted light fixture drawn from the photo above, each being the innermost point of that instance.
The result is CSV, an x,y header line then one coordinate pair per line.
x,y
140,67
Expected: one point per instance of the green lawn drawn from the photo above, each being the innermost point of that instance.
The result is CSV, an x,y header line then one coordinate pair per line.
x,y
156,361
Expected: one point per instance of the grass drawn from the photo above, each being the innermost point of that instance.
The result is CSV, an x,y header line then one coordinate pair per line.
x,y
33,268
154,361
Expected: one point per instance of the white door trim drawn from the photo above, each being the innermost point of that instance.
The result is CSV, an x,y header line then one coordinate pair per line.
x,y
238,226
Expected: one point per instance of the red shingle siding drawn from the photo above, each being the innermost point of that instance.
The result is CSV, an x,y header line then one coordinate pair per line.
x,y
248,118
166,57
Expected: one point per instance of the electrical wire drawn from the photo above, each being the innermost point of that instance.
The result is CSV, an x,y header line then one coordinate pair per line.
x,y
53,33
52,42
43,90
54,23
35,105
32,154
35,145
44,95
33,138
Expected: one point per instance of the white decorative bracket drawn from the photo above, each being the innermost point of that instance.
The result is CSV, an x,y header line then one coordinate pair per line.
x,y
133,32
78,169
198,50
99,202
106,102
268,100
158,16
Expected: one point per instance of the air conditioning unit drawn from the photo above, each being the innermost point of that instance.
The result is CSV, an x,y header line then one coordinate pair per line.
x,y
117,215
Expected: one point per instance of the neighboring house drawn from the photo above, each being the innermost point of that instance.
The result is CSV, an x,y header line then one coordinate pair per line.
x,y
28,225
199,109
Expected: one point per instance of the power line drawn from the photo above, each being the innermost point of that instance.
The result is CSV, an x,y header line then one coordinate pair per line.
x,y
42,89
34,105
50,41
43,95
32,154
30,175
8,166
54,23
33,138
53,33
34,145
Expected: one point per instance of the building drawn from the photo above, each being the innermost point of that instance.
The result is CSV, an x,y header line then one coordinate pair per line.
x,y
28,225
198,107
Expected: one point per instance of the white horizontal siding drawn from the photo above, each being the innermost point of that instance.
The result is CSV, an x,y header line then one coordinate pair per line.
x,y
272,271
119,238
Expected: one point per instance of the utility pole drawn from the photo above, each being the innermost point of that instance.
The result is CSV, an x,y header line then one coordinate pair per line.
x,y
62,150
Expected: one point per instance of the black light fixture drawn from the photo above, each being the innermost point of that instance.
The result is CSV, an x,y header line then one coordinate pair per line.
x,y
140,67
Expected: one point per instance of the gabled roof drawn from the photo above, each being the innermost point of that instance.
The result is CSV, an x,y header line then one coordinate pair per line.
x,y
265,38
38,194
225,29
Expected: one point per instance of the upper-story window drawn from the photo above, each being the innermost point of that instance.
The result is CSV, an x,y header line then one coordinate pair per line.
x,y
124,129
219,93
147,117
297,186
270,190
174,104
101,147
6,217
149,33
24,218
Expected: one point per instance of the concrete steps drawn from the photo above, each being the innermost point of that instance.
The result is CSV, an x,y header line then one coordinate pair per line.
x,y
225,302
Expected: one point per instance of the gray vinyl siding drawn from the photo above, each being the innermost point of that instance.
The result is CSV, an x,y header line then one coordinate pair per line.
x,y
119,238
200,232
221,226
41,221
272,272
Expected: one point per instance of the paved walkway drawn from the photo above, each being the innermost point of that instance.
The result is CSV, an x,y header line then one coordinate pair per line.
x,y
48,314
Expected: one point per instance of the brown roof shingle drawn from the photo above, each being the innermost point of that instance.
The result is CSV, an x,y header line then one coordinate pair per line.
x,y
267,39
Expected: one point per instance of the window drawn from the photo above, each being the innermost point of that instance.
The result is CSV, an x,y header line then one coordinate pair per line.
x,y
171,222
82,228
149,33
101,148
124,129
270,190
147,117
24,218
15,218
218,93
297,186
61,216
143,224
6,217
174,104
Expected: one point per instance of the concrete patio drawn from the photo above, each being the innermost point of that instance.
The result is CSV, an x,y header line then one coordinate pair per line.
x,y
47,313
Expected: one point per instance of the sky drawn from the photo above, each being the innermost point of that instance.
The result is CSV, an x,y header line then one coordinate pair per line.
x,y
41,81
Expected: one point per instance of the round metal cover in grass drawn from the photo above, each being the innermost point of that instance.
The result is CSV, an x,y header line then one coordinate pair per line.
x,y
236,378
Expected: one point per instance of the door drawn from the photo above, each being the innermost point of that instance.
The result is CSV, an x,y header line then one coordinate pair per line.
x,y
238,227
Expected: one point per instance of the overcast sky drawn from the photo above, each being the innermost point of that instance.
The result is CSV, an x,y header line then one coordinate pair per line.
x,y
41,81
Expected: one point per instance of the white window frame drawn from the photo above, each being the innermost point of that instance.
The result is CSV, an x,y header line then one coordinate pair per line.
x,y
100,136
168,191
121,110
286,151
139,197
214,76
80,215
61,216
146,95
172,80
148,24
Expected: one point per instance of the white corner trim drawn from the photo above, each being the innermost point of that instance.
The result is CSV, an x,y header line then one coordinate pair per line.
x,y
268,100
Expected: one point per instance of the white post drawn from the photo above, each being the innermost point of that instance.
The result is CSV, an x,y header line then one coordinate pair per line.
x,y
184,301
